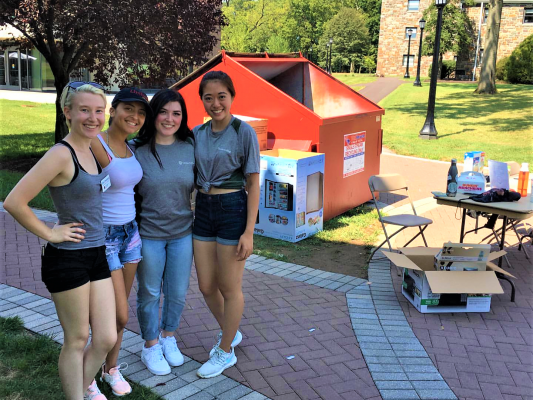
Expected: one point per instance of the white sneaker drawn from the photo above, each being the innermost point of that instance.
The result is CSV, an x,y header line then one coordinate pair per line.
x,y
235,342
153,358
219,361
170,351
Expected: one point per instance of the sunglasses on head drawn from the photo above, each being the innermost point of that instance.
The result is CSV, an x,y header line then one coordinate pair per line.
x,y
77,84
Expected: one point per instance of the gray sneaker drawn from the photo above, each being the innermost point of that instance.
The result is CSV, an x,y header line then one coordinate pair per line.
x,y
235,342
219,361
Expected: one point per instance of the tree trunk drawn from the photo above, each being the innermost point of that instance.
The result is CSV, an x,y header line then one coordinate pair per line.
x,y
352,67
61,125
487,77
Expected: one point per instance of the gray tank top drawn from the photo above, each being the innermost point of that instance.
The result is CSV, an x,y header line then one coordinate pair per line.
x,y
80,201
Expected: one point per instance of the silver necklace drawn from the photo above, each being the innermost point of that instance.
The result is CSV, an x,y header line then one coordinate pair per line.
x,y
114,152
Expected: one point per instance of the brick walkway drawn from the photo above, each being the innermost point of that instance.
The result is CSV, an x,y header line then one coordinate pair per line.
x,y
479,355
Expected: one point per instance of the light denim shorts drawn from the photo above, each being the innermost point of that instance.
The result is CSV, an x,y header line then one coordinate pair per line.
x,y
122,245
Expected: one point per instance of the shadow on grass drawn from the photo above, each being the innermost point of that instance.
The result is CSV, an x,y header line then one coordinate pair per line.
x,y
27,145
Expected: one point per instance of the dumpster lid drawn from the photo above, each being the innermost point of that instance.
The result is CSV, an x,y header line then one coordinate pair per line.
x,y
311,90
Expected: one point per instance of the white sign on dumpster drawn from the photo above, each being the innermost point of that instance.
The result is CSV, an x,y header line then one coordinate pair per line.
x,y
354,153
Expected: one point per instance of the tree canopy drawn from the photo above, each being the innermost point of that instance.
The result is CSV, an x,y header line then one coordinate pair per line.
x,y
351,39
125,42
457,29
300,25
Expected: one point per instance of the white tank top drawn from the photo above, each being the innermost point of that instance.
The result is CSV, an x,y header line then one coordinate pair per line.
x,y
118,203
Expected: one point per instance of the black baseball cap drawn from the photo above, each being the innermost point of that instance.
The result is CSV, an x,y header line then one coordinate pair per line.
x,y
130,94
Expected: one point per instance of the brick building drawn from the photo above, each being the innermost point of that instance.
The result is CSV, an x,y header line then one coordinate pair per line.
x,y
399,15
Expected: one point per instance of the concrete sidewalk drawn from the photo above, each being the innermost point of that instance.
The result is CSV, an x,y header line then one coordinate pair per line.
x,y
380,88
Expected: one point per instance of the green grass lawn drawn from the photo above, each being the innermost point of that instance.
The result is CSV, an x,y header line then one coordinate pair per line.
x,y
27,129
500,125
355,79
28,366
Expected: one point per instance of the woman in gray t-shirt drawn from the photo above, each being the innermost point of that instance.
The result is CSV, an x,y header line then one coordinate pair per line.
x,y
227,160
165,150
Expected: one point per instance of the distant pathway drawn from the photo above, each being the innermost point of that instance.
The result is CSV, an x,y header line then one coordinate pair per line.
x,y
381,88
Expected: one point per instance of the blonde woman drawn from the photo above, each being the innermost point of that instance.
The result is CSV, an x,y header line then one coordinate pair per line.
x,y
74,265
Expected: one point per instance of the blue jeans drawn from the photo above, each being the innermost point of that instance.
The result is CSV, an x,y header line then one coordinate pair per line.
x,y
168,262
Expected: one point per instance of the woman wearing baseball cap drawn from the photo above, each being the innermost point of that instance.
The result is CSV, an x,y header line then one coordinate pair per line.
x,y
129,111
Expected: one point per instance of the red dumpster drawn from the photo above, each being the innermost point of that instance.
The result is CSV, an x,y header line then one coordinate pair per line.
x,y
306,108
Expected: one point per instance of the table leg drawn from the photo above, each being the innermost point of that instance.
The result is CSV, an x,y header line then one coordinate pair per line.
x,y
463,220
503,277
500,261
502,243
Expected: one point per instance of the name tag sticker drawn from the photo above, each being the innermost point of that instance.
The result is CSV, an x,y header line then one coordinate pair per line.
x,y
106,183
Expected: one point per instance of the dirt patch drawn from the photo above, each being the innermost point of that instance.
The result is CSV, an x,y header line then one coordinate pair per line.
x,y
19,165
342,258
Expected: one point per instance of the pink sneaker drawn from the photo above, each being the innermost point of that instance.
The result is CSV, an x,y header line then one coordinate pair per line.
x,y
114,378
93,393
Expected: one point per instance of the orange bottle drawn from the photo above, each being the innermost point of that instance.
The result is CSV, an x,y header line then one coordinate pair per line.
x,y
523,180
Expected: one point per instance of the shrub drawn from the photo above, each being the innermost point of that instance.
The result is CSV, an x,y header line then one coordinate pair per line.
x,y
520,65
448,66
501,69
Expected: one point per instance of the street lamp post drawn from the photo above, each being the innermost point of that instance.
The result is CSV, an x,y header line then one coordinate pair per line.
x,y
422,25
330,54
429,131
327,57
409,33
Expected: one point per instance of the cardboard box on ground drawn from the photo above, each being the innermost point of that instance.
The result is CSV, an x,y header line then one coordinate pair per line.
x,y
438,291
260,126
291,202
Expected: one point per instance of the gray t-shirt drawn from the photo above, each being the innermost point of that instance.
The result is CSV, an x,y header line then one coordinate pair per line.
x,y
220,154
163,201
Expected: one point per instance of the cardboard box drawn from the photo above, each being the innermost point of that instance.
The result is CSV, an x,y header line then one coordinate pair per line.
x,y
260,126
461,256
474,161
291,202
431,291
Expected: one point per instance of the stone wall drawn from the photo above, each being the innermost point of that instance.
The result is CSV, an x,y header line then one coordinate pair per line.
x,y
395,18
512,32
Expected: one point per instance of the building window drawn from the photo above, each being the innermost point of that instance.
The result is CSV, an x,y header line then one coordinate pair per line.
x,y
485,15
413,33
481,56
411,60
413,5
528,15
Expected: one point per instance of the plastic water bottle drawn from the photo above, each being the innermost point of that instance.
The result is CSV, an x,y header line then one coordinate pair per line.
x,y
523,180
451,187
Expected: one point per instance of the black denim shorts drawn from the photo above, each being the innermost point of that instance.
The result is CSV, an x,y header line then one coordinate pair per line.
x,y
220,217
64,270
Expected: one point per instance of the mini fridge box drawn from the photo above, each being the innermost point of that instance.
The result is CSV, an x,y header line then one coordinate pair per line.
x,y
431,291
260,126
462,257
291,202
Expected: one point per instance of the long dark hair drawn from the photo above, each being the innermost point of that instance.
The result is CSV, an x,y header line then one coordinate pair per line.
x,y
148,132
